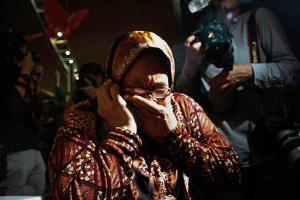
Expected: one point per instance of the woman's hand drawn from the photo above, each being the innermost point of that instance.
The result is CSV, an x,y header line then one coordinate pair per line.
x,y
113,108
227,81
155,119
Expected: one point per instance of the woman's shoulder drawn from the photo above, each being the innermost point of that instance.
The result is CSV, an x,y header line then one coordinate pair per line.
x,y
186,101
81,115
181,96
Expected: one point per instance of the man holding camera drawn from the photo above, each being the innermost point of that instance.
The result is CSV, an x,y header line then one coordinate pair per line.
x,y
240,96
22,166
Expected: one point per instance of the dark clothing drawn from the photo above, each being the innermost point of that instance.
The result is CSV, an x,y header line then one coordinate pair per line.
x,y
18,130
270,181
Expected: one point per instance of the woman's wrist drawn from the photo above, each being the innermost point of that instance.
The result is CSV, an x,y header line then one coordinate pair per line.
x,y
162,138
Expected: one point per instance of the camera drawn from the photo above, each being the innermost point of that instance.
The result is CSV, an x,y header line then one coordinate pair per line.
x,y
279,133
288,141
214,36
216,43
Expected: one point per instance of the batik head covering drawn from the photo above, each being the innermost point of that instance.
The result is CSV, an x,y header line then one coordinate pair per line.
x,y
128,46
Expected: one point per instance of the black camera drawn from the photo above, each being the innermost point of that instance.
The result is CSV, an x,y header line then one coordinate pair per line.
x,y
214,36
279,133
216,42
288,141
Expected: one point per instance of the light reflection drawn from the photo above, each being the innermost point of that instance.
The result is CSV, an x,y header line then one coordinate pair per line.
x,y
59,34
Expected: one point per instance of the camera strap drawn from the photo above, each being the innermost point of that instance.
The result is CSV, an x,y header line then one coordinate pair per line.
x,y
254,51
253,39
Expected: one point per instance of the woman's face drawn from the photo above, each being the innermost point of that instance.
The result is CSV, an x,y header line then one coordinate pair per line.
x,y
226,5
146,72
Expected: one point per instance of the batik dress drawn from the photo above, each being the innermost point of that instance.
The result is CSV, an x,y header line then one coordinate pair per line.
x,y
125,165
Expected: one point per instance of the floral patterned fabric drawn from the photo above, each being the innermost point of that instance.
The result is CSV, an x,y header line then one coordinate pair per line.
x,y
125,165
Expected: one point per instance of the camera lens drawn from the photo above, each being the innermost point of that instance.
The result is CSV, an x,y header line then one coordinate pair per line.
x,y
216,43
289,143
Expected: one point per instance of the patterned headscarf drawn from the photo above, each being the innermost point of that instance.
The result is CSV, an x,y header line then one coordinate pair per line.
x,y
128,46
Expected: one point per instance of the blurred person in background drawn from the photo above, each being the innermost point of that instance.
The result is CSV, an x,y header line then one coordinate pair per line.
x,y
22,166
91,75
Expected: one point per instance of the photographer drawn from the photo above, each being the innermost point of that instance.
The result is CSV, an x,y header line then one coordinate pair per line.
x,y
22,165
91,76
235,95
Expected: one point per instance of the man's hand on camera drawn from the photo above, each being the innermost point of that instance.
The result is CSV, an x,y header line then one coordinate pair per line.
x,y
193,57
227,81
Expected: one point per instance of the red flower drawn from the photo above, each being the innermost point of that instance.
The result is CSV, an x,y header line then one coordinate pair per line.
x,y
58,21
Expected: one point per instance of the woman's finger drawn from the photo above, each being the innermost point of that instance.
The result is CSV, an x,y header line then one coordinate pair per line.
x,y
103,93
145,104
115,94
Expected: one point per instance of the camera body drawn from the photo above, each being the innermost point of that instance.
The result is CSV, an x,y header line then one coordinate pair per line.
x,y
216,43
278,133
214,36
288,141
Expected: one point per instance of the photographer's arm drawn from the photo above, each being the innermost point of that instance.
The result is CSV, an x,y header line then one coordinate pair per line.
x,y
187,80
24,77
278,68
35,100
281,68
193,57
227,81
36,78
